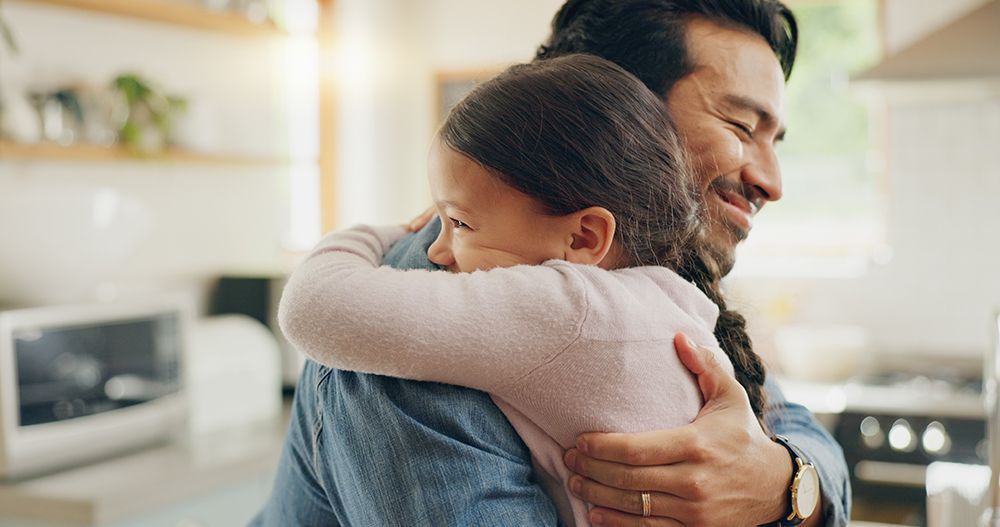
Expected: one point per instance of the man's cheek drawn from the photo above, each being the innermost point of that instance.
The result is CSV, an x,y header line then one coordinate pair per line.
x,y
716,155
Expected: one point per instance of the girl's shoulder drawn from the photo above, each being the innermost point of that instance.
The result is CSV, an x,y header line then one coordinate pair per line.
x,y
643,302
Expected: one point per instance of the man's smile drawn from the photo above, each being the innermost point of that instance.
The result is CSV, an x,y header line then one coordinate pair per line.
x,y
737,208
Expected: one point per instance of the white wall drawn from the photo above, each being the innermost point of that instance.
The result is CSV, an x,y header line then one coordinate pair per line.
x,y
908,20
387,119
205,219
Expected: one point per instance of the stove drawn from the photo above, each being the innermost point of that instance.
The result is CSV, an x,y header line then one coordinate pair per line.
x,y
893,425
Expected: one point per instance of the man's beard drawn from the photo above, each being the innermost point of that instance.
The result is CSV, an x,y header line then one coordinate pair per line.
x,y
722,238
724,234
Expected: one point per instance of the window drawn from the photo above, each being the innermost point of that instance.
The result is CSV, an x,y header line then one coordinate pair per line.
x,y
829,222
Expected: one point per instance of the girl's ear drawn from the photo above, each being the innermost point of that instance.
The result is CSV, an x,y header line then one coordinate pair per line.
x,y
591,236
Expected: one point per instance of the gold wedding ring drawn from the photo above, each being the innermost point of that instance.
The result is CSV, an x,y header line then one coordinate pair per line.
x,y
646,505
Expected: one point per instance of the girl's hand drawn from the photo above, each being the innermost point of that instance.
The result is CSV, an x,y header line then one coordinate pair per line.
x,y
420,221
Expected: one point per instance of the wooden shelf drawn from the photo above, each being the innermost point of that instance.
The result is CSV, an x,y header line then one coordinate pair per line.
x,y
174,12
10,150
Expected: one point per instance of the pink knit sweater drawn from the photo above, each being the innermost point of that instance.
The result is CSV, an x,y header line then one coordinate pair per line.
x,y
563,348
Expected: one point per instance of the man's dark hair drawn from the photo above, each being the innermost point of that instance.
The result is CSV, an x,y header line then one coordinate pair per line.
x,y
647,37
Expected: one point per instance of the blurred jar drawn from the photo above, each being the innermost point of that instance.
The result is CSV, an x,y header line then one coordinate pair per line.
x,y
60,115
104,113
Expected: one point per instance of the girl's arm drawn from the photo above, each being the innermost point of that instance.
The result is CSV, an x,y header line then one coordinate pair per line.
x,y
483,330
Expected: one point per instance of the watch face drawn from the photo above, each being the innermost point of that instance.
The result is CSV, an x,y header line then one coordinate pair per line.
x,y
806,491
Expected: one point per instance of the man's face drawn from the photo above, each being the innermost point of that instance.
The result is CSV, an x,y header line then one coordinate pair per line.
x,y
729,113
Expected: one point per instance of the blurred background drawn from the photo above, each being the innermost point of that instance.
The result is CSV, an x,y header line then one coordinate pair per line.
x,y
163,165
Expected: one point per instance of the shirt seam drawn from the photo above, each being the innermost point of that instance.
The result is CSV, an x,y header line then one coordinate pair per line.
x,y
579,332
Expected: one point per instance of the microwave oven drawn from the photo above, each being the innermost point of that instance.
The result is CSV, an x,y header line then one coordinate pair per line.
x,y
83,382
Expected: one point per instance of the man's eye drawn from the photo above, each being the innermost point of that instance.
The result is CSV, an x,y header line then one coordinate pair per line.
x,y
458,224
747,131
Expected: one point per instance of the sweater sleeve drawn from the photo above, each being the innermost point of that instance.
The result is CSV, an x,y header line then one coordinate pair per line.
x,y
483,330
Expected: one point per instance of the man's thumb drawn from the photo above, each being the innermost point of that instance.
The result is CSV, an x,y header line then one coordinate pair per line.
x,y
713,380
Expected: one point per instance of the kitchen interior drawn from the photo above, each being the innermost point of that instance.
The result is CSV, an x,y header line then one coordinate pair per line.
x,y
165,163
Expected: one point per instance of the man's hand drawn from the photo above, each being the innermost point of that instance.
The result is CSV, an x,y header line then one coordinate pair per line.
x,y
720,470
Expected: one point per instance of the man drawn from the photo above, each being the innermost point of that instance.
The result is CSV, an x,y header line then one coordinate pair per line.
x,y
430,454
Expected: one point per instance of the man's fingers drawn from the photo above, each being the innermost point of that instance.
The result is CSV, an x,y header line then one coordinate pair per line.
x,y
613,474
660,447
613,518
628,501
714,381
420,221
681,479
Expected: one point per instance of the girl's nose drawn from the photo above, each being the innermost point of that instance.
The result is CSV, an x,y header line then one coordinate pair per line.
x,y
440,251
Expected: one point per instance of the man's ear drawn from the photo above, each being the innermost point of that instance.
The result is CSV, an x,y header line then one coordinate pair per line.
x,y
592,233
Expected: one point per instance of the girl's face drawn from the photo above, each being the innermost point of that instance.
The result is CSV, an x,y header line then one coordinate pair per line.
x,y
486,223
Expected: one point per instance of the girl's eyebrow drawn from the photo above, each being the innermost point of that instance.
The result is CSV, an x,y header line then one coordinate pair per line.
x,y
451,204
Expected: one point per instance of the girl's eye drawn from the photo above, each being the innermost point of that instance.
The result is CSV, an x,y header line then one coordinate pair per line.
x,y
458,224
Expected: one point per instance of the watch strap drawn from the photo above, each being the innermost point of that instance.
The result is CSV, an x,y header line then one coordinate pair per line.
x,y
798,459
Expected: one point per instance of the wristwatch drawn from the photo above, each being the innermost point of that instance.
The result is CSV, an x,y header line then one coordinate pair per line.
x,y
804,490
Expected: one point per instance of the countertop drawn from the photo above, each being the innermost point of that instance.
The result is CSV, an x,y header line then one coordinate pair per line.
x,y
835,398
135,485
130,489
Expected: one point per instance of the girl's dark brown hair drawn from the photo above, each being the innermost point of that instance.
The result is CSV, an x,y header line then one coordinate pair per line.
x,y
578,131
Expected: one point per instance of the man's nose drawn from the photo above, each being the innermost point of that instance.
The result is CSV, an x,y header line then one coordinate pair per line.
x,y
440,251
763,174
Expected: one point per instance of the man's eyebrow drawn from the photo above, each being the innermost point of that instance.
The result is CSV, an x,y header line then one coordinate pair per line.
x,y
765,116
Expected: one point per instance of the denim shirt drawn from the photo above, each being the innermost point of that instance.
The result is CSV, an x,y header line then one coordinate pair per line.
x,y
367,450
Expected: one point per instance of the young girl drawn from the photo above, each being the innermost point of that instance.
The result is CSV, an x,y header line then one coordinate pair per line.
x,y
573,237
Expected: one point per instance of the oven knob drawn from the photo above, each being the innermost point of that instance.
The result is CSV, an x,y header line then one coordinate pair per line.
x,y
902,438
872,435
935,439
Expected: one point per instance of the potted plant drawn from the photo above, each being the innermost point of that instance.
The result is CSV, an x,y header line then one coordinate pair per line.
x,y
151,114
